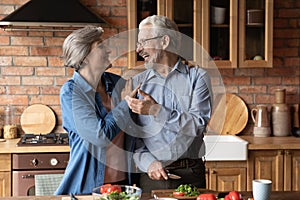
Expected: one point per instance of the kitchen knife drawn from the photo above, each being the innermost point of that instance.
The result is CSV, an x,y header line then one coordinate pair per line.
x,y
173,176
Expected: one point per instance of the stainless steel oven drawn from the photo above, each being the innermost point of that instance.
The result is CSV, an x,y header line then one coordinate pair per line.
x,y
26,165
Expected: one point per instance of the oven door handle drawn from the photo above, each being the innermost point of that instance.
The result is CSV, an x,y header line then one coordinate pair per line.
x,y
27,176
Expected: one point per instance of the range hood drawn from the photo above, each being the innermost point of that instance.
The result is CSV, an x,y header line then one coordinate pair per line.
x,y
51,15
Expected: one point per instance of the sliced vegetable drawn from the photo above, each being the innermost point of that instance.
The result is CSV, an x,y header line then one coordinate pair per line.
x,y
188,190
114,188
103,188
114,192
108,189
178,194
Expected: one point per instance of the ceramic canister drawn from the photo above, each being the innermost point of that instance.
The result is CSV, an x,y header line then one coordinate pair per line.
x,y
281,120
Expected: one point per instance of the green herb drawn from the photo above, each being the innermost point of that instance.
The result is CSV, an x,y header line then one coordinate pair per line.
x,y
188,189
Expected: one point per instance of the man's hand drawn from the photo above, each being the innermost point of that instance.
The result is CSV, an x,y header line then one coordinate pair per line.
x,y
156,171
146,106
127,90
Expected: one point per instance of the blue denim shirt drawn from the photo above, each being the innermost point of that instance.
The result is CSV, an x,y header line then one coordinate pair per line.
x,y
177,131
90,128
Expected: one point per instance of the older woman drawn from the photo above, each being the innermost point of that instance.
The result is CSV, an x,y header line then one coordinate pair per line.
x,y
96,142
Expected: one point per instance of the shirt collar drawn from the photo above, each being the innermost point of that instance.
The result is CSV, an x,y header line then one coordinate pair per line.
x,y
105,78
179,66
82,83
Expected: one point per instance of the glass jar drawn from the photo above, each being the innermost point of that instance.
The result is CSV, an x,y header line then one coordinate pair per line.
x,y
9,128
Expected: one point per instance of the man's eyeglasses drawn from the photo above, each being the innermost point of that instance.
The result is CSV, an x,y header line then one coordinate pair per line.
x,y
143,42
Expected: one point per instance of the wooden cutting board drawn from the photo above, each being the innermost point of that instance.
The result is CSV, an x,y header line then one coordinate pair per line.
x,y
38,119
230,115
168,193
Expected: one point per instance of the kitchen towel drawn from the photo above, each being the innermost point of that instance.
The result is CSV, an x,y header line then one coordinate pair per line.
x,y
46,184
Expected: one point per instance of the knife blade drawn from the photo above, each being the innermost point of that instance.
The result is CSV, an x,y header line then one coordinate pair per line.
x,y
173,176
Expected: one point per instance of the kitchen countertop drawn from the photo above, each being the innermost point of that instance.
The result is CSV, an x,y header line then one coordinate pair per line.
x,y
10,146
265,143
275,195
255,143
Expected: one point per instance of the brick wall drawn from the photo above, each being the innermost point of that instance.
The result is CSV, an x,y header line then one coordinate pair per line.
x,y
31,70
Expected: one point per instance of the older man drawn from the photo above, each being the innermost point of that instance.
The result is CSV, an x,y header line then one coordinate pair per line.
x,y
174,105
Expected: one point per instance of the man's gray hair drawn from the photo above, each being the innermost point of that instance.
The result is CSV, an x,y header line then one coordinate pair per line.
x,y
78,45
164,26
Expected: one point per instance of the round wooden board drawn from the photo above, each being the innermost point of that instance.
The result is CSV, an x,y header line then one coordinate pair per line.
x,y
230,115
38,119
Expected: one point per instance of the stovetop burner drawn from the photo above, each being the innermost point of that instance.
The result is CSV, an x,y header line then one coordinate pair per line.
x,y
50,139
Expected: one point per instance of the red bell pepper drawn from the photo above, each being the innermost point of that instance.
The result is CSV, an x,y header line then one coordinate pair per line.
x,y
233,195
206,197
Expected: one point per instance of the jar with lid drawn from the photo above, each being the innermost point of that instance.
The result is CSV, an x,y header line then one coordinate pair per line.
x,y
10,127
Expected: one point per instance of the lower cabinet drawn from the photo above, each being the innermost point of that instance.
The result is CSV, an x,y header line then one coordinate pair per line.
x,y
280,166
226,175
292,170
5,175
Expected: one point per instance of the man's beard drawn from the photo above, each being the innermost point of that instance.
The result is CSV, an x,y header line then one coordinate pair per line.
x,y
154,60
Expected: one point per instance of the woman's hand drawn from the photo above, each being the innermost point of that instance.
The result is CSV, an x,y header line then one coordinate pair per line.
x,y
127,90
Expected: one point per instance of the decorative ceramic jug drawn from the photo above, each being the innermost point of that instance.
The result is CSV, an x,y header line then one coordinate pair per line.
x,y
260,117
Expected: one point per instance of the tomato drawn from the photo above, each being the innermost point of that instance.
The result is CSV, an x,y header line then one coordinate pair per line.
x,y
206,197
114,188
103,188
108,188
178,194
233,195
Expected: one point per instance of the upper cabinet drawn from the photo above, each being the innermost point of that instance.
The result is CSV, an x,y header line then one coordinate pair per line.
x,y
220,31
186,13
256,33
235,33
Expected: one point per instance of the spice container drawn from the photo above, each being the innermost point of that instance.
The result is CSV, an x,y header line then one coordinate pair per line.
x,y
9,128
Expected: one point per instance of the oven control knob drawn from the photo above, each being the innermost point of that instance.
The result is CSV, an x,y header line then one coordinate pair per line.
x,y
53,161
35,162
